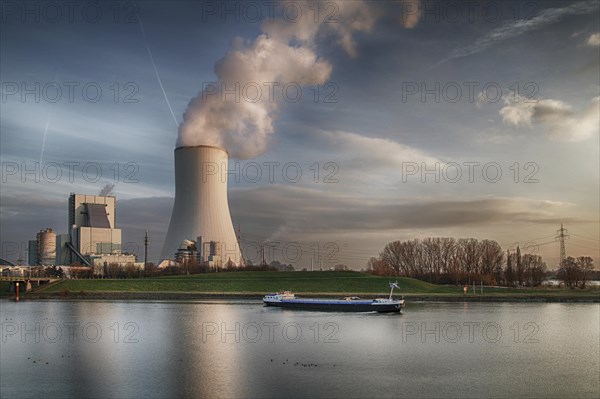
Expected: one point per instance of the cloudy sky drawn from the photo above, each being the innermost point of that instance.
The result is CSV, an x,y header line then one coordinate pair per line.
x,y
387,120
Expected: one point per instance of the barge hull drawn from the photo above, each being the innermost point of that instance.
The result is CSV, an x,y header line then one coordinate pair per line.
x,y
338,307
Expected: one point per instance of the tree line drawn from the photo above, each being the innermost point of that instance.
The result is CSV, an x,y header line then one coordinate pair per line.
x,y
446,260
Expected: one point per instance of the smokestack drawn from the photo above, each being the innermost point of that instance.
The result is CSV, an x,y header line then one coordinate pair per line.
x,y
201,208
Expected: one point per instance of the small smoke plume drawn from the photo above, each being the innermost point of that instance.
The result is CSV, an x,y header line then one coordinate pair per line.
x,y
107,189
284,54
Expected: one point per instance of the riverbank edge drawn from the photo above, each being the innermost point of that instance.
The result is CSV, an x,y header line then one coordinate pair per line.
x,y
150,296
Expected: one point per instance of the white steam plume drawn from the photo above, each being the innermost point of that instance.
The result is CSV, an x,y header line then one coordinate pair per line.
x,y
285,53
107,189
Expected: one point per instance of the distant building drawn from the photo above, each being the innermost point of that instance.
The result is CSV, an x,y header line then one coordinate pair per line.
x,y
93,239
92,220
46,247
32,259
120,259
42,250
201,252
64,256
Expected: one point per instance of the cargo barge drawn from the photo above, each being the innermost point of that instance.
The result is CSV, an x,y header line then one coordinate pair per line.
x,y
288,300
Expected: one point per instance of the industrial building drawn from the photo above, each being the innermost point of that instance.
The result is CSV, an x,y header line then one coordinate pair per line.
x,y
92,225
92,240
203,253
201,225
63,253
32,258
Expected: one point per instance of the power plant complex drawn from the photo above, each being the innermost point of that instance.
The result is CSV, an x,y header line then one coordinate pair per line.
x,y
201,227
200,230
92,240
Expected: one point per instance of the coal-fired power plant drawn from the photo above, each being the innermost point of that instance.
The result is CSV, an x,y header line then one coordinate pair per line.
x,y
201,226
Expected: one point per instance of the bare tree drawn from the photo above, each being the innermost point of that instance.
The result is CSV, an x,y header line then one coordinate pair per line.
x,y
534,269
432,257
371,264
413,256
379,267
492,259
519,264
586,266
469,255
129,269
113,270
392,256
150,270
448,253
569,272
509,273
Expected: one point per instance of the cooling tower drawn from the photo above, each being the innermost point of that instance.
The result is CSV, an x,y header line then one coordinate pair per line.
x,y
201,210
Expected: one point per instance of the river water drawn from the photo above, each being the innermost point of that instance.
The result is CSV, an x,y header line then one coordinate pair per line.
x,y
239,349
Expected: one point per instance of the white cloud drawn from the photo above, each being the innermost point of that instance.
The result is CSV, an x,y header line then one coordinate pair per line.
x,y
580,127
374,151
522,111
482,99
594,40
564,124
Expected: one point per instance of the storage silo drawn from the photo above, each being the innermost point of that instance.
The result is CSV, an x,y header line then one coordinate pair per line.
x,y
46,247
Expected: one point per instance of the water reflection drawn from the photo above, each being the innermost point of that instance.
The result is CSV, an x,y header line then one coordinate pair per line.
x,y
242,349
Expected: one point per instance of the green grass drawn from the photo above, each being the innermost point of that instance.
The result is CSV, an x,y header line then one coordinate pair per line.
x,y
298,282
247,282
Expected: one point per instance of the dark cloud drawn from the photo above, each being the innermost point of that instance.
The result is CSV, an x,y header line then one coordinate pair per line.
x,y
309,211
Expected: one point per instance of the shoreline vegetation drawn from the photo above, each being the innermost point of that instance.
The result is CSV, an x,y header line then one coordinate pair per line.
x,y
254,285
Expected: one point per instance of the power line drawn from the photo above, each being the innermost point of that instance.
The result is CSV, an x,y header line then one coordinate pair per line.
x,y
587,238
578,244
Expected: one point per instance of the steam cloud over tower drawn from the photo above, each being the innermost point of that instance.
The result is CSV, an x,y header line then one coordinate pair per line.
x,y
201,210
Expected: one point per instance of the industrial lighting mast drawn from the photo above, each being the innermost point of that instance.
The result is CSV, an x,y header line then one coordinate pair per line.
x,y
146,250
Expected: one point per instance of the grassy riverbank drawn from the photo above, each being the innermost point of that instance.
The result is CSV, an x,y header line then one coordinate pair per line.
x,y
256,284
250,282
